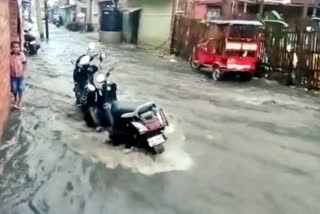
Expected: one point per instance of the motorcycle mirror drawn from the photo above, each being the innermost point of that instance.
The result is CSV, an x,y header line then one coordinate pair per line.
x,y
91,46
102,56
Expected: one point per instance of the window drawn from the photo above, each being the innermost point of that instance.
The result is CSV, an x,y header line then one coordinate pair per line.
x,y
213,13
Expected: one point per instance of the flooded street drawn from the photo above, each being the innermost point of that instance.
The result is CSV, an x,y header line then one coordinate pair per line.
x,y
233,147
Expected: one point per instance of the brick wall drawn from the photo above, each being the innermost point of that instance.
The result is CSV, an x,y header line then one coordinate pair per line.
x,y
14,20
10,28
4,62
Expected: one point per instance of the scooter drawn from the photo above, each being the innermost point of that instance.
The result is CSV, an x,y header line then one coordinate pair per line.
x,y
132,124
57,20
31,45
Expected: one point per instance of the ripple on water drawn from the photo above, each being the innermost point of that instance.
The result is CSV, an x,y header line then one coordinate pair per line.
x,y
277,100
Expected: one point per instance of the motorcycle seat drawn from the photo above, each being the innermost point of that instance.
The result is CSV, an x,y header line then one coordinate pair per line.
x,y
119,108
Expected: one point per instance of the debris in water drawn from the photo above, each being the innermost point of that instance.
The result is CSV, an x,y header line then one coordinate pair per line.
x,y
126,151
172,59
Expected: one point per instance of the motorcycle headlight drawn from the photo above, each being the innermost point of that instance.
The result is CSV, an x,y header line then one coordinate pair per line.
x,y
91,87
100,78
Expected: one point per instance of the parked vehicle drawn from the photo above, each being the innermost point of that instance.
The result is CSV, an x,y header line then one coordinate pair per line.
x,y
138,125
57,20
31,44
235,48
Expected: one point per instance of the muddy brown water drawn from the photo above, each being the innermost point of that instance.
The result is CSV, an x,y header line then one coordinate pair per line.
x,y
233,147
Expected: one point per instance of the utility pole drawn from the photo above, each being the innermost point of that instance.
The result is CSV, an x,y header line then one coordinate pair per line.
x,y
261,8
46,18
39,19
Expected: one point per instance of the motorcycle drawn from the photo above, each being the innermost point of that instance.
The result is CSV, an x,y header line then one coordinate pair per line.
x,y
132,124
57,20
31,45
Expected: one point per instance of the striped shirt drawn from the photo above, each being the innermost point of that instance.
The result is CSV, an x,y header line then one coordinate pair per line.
x,y
16,64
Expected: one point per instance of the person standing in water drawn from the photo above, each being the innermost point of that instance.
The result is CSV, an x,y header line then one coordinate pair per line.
x,y
18,64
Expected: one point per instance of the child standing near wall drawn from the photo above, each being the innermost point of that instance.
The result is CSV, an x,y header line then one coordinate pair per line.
x,y
18,66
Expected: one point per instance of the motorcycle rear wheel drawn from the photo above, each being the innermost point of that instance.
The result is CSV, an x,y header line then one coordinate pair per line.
x,y
157,150
34,51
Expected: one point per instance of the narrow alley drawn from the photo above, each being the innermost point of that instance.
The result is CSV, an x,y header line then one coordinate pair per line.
x,y
233,147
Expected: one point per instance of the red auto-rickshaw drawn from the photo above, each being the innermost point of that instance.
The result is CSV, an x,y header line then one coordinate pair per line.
x,y
233,47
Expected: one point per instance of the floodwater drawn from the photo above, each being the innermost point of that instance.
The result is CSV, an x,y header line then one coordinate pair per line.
x,y
233,147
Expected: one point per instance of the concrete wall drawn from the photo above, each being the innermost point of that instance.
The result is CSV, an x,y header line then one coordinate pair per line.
x,y
155,24
200,11
4,62
94,16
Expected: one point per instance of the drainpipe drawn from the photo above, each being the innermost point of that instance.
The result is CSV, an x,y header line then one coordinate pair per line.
x,y
233,10
89,12
261,8
177,4
245,7
315,7
46,18
305,9
20,22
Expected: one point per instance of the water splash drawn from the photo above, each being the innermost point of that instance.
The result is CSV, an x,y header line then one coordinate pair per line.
x,y
175,158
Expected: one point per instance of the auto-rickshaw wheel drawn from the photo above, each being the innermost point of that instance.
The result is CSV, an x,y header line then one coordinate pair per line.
x,y
216,74
293,77
246,77
259,70
193,64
